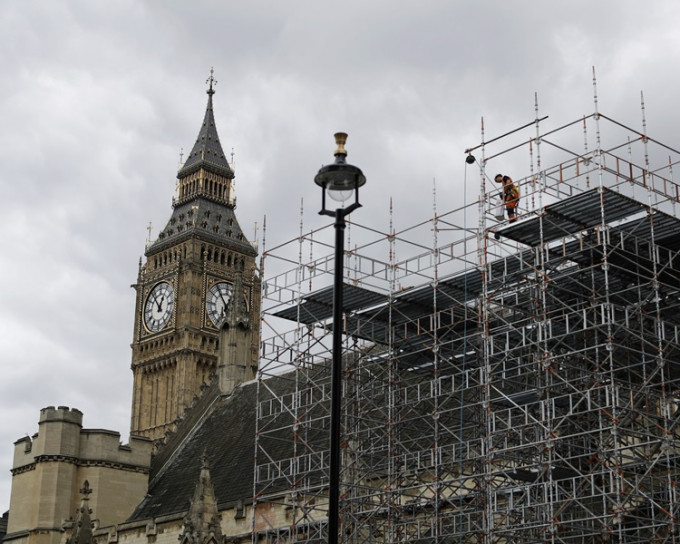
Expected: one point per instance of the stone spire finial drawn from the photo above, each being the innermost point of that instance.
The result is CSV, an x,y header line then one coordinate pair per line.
x,y
202,522
211,81
82,526
85,490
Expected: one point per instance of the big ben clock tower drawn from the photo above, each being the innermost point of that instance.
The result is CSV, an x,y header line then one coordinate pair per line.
x,y
198,287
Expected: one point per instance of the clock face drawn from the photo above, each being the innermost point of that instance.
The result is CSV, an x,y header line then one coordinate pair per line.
x,y
159,306
217,302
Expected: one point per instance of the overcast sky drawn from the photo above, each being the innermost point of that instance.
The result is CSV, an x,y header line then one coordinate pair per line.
x,y
98,98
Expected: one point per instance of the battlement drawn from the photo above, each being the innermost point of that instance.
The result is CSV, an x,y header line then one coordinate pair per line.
x,y
104,446
62,438
61,413
55,462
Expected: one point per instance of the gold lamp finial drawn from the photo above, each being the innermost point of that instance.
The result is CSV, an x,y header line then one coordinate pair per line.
x,y
340,140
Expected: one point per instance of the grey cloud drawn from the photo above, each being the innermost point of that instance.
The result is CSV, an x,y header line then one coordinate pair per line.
x,y
97,99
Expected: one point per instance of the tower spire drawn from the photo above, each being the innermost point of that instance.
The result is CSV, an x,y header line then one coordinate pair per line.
x,y
207,152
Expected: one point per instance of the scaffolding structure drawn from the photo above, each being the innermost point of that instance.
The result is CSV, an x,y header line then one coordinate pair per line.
x,y
503,382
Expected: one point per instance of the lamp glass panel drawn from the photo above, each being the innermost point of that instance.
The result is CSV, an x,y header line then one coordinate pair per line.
x,y
340,190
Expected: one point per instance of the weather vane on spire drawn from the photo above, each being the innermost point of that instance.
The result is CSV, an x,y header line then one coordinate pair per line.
x,y
212,81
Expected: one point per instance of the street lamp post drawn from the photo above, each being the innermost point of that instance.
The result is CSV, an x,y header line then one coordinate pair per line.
x,y
340,180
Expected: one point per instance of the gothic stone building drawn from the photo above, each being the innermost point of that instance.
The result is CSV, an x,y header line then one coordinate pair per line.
x,y
196,335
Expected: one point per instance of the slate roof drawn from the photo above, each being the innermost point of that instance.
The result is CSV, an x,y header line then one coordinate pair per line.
x,y
201,217
3,524
207,218
226,434
227,438
207,151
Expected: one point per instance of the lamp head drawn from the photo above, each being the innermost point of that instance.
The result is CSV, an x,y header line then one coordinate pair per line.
x,y
340,179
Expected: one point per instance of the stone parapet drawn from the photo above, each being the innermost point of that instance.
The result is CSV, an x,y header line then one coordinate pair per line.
x,y
53,464
62,438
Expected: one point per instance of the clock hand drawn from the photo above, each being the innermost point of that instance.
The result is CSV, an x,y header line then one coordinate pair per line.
x,y
160,304
225,302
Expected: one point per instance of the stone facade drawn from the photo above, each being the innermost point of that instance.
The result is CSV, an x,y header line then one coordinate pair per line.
x,y
50,468
200,276
235,527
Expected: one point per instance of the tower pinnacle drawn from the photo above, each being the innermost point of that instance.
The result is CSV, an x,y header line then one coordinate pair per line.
x,y
207,152
212,81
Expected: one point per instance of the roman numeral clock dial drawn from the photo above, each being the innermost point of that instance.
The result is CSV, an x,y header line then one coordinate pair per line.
x,y
158,307
217,302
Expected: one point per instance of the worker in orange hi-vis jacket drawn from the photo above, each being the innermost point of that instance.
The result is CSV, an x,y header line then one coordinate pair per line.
x,y
509,195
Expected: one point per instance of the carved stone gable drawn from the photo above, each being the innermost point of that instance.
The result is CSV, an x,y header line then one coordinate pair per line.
x,y
202,522
82,526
